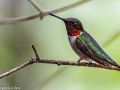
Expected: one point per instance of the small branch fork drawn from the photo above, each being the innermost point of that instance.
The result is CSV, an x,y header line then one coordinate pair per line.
x,y
37,59
40,13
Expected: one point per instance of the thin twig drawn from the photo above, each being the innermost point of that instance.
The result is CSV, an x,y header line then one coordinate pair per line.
x,y
16,20
15,69
37,8
35,51
57,62
35,5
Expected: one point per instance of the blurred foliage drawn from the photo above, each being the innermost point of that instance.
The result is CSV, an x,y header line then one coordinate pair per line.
x,y
99,17
112,39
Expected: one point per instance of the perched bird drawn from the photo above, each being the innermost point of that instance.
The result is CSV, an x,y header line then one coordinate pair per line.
x,y
84,44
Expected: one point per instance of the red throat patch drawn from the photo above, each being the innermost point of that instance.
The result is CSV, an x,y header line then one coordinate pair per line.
x,y
74,32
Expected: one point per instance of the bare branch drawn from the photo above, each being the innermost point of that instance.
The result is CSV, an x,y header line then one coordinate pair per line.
x,y
37,15
16,20
57,62
68,7
15,69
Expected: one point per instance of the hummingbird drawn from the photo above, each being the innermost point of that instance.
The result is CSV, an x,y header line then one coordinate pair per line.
x,y
84,45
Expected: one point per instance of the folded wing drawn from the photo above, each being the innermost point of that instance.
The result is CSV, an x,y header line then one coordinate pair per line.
x,y
86,43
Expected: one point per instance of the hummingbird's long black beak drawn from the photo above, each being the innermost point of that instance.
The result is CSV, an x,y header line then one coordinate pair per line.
x,y
57,17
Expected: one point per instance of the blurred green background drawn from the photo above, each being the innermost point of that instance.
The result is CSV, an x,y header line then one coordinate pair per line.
x,y
101,18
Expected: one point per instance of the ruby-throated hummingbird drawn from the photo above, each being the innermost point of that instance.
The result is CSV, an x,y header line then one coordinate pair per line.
x,y
84,44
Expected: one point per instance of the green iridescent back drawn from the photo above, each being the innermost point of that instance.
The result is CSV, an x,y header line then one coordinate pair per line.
x,y
86,39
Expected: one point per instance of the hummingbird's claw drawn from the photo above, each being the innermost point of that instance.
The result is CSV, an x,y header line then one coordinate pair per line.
x,y
81,58
90,63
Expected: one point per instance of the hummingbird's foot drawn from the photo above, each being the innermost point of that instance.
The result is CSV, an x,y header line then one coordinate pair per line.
x,y
90,63
80,60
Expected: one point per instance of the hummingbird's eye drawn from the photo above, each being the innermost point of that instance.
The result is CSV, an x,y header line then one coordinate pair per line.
x,y
75,23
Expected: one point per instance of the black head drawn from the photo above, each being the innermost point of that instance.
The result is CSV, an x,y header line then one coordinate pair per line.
x,y
72,24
